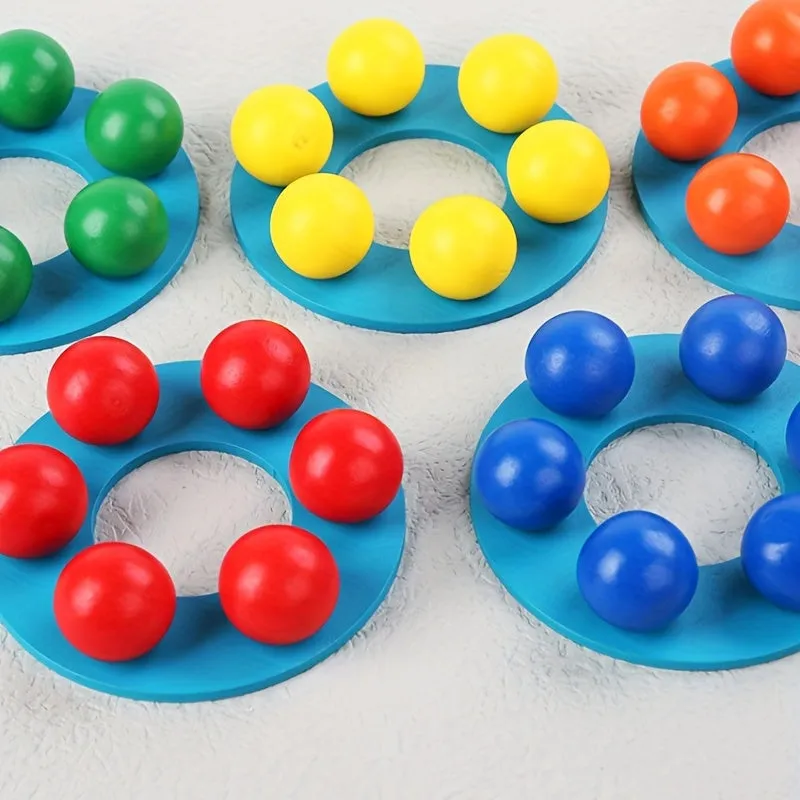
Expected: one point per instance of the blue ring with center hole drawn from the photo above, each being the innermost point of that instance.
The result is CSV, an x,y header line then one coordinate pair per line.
x,y
202,657
383,292
769,274
68,302
728,624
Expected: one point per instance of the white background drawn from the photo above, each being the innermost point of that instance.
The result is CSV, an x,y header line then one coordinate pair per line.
x,y
451,692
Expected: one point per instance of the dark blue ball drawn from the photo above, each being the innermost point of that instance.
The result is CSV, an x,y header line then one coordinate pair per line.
x,y
771,551
530,474
580,364
733,348
793,437
637,571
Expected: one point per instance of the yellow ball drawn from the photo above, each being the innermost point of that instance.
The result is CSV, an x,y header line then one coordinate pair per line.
x,y
558,171
462,247
508,83
376,67
322,226
281,133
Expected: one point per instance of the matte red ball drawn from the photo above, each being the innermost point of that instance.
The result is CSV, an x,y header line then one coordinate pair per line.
x,y
255,374
103,390
345,466
43,500
278,584
114,601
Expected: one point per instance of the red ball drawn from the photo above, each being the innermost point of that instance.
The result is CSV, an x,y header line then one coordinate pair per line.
x,y
114,601
103,390
345,466
278,584
255,374
43,500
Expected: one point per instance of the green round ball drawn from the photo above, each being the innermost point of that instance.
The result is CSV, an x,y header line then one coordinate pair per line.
x,y
134,128
36,80
116,227
16,274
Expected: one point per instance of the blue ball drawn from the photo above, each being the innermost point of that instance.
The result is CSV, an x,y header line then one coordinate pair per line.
x,y
771,551
580,364
530,474
793,437
733,348
637,571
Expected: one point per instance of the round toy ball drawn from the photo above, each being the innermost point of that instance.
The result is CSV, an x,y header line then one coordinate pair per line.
x,y
733,348
134,128
37,80
322,226
793,437
16,275
281,133
346,466
114,601
376,67
580,364
43,500
255,374
737,203
530,474
103,390
278,584
508,83
116,227
558,171
689,111
771,551
765,47
462,247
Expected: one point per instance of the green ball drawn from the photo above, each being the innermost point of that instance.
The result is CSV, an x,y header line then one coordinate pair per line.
x,y
16,274
134,128
36,80
116,228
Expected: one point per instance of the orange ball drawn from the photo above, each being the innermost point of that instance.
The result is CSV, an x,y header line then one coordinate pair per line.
x,y
689,111
737,203
765,47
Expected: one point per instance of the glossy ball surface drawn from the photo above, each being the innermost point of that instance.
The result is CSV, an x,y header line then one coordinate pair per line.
x,y
558,171
278,584
16,275
737,203
376,67
134,128
103,390
507,83
255,374
281,133
793,437
462,247
580,364
37,80
322,226
346,466
637,571
116,227
688,111
733,348
43,500
114,601
530,474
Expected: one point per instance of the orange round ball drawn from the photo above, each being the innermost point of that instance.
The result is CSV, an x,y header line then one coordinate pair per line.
x,y
765,47
688,111
737,203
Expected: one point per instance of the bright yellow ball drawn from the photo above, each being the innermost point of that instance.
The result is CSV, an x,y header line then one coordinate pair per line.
x,y
558,171
281,133
508,83
322,226
376,67
462,247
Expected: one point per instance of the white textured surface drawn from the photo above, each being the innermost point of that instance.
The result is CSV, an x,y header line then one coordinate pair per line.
x,y
451,693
